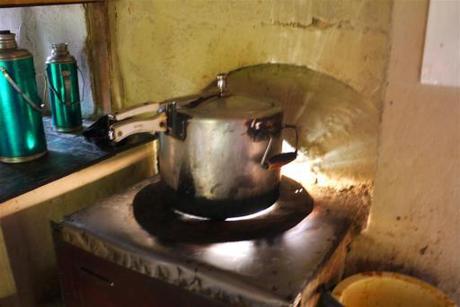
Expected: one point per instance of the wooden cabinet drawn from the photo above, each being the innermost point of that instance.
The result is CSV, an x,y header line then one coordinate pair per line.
x,y
7,3
89,281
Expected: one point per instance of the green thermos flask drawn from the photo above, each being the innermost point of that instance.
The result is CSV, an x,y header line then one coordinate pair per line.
x,y
22,137
64,96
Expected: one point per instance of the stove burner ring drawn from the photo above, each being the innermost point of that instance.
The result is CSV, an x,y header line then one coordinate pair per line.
x,y
185,215
154,210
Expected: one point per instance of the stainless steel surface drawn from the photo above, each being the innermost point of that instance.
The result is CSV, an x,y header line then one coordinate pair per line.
x,y
60,54
218,160
7,40
164,218
222,83
246,273
232,107
266,152
279,160
225,139
9,48
69,130
59,49
213,143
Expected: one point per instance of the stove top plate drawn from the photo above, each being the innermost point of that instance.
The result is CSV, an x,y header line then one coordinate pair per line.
x,y
153,208
263,272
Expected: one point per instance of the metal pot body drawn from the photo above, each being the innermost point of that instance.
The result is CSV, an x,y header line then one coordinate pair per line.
x,y
22,134
219,152
219,162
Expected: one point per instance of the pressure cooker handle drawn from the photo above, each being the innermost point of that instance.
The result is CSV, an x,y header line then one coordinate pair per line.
x,y
279,160
121,130
154,107
146,107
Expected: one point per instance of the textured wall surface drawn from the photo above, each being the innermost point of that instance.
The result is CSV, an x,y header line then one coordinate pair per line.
x,y
37,27
162,49
169,48
414,222
337,125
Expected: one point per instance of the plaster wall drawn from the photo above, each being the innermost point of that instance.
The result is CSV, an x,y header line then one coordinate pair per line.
x,y
38,27
170,48
414,223
337,126
162,49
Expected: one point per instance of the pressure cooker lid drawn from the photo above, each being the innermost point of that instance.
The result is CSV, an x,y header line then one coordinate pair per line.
x,y
233,107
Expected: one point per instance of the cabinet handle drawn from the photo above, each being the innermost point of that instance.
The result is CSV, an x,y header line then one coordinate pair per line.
x,y
99,278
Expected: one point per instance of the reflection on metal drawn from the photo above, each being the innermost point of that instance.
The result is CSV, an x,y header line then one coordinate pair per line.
x,y
190,216
307,171
194,167
156,215
252,216
338,127
237,251
301,170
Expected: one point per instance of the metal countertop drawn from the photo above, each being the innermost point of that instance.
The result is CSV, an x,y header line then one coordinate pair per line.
x,y
250,273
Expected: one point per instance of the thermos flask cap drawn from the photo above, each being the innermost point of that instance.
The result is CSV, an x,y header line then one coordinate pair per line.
x,y
7,40
59,49
60,54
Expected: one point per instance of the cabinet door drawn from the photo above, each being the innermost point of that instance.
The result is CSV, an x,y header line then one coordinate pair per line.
x,y
89,281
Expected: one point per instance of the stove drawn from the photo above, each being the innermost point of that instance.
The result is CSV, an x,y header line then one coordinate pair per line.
x,y
157,209
277,257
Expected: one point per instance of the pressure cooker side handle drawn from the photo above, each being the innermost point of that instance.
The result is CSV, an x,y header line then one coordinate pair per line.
x,y
146,107
121,130
279,160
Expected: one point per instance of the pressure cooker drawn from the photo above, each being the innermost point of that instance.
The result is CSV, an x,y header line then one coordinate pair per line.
x,y
219,151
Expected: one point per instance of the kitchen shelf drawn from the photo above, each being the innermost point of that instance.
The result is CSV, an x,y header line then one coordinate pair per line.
x,y
67,153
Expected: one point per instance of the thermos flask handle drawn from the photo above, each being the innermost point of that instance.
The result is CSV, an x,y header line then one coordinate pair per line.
x,y
66,89
45,88
55,92
83,84
15,86
48,85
